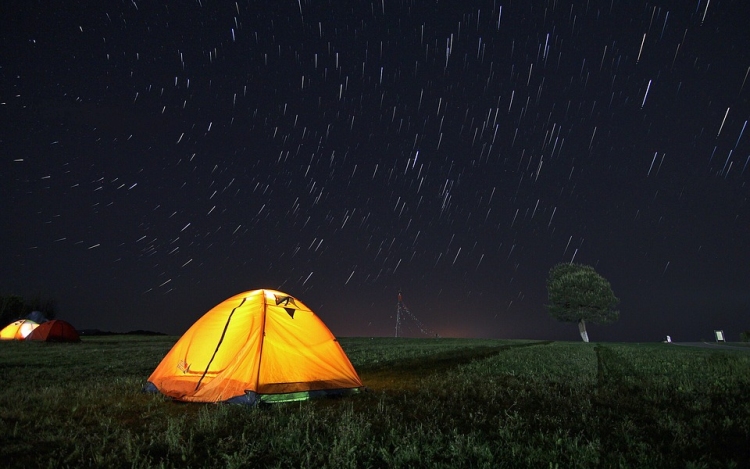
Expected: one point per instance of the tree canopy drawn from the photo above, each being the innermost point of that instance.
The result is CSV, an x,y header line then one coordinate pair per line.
x,y
578,293
14,307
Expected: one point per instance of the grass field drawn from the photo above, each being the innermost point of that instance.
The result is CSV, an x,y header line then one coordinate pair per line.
x,y
430,403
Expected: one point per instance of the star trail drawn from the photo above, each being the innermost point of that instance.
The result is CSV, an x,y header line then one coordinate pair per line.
x,y
158,158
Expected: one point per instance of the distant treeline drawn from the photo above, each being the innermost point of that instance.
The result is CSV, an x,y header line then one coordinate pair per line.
x,y
14,307
89,332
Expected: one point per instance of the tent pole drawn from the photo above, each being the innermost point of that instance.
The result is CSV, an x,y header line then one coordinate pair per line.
x,y
221,339
262,340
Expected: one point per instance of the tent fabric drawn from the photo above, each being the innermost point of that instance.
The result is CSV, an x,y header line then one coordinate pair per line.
x,y
36,316
55,331
18,330
257,345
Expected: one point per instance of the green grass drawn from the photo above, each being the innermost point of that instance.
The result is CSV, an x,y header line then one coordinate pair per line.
x,y
430,403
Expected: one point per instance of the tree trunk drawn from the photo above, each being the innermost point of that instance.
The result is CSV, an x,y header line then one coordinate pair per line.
x,y
582,330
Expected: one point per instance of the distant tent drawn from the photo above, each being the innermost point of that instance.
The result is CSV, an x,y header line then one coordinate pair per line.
x,y
37,316
55,331
18,330
257,346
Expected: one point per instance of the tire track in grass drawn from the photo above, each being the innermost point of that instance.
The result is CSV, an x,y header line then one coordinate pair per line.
x,y
406,373
641,412
626,415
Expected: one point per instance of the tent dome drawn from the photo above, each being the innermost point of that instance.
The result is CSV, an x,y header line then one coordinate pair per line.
x,y
18,330
55,331
260,345
37,316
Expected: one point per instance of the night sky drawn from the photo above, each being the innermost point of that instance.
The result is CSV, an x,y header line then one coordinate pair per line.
x,y
159,157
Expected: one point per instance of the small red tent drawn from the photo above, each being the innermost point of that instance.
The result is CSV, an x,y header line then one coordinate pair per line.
x,y
55,331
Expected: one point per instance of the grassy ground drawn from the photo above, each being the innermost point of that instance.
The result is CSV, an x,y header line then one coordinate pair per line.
x,y
431,403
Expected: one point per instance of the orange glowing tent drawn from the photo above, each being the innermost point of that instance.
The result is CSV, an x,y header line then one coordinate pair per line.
x,y
18,330
257,346
55,331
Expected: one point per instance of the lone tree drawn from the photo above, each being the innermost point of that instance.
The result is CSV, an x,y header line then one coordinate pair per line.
x,y
577,293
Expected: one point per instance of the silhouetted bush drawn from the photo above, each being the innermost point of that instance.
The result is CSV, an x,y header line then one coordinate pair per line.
x,y
14,307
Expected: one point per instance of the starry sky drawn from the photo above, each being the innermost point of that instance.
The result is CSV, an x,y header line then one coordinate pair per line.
x,y
159,157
